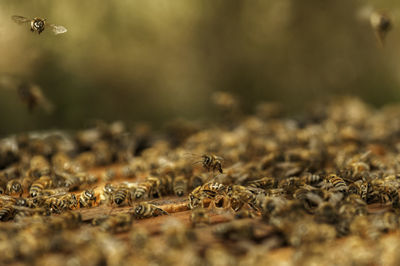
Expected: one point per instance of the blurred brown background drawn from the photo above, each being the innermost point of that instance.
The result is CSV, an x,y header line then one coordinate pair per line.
x,y
158,60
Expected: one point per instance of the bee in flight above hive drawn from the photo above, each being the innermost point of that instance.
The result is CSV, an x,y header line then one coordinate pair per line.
x,y
39,24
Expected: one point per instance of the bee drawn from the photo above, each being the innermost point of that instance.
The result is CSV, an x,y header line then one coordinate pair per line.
x,y
361,188
146,210
265,183
60,202
393,194
311,179
39,166
120,195
199,216
148,188
108,191
7,212
180,186
338,183
87,198
381,22
117,223
211,162
239,196
14,187
209,190
42,183
235,230
39,24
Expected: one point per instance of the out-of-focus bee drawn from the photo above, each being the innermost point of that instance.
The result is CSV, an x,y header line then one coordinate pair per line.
x,y
241,196
108,175
198,180
180,186
7,212
361,188
199,216
146,210
33,96
39,24
382,23
39,166
265,183
117,223
108,192
306,232
14,188
235,230
42,183
311,179
87,198
338,183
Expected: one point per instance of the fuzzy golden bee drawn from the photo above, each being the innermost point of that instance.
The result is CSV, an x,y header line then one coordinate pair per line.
x,y
39,24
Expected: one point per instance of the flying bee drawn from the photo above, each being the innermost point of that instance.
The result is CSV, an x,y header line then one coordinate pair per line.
x,y
42,183
180,186
146,210
381,23
211,162
87,198
14,188
39,24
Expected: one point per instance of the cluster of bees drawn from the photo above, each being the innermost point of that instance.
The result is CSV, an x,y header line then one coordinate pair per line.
x,y
249,188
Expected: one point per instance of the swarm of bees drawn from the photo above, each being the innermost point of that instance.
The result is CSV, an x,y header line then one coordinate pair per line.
x,y
100,196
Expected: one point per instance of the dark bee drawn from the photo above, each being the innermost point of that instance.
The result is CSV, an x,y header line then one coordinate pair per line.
x,y
39,24
87,198
146,210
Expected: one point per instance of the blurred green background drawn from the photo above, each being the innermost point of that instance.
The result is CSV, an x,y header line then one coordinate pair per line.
x,y
157,60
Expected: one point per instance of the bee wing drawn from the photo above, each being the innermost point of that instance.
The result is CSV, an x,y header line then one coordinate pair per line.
x,y
57,29
20,19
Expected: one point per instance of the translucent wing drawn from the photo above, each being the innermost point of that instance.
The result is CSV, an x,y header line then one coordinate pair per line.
x,y
57,29
20,19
